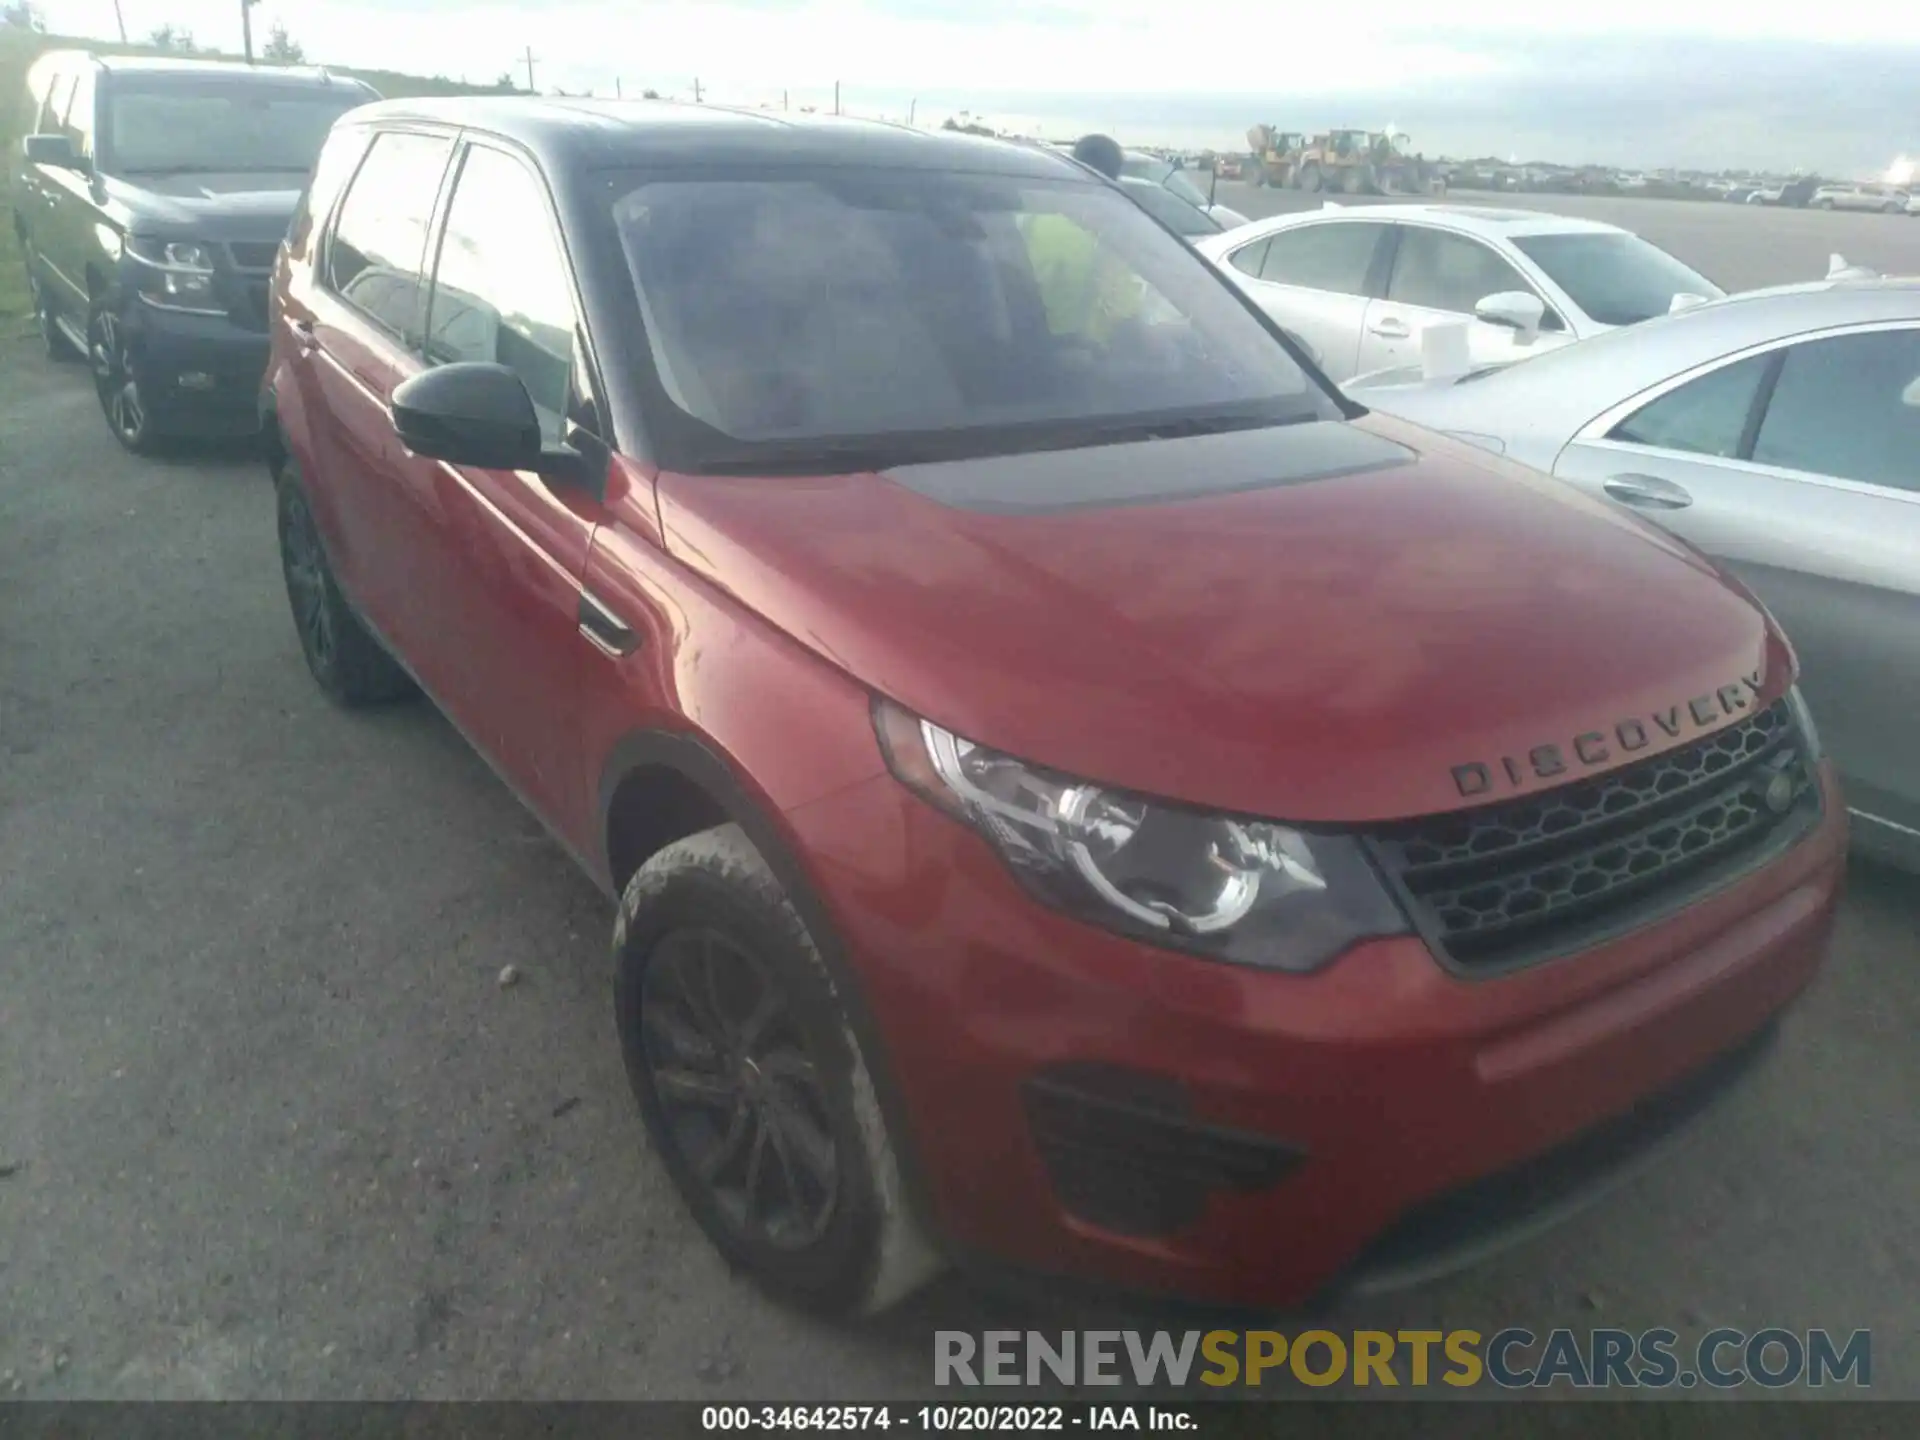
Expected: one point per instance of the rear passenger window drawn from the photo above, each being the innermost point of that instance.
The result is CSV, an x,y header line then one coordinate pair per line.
x,y
53,109
1332,257
337,159
1707,416
374,258
1248,258
502,292
1849,407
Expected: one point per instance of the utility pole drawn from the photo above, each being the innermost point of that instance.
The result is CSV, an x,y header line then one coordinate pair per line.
x,y
246,26
531,57
783,99
912,105
836,97
618,94
696,89
120,20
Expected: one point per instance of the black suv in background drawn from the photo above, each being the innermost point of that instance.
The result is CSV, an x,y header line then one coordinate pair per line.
x,y
150,199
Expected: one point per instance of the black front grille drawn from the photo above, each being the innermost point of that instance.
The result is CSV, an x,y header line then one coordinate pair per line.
x,y
1123,1151
254,254
1513,883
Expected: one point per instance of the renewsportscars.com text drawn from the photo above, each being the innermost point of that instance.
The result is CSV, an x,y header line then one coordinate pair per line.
x,y
1511,1359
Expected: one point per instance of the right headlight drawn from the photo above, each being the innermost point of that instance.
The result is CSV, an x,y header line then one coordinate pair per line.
x,y
1229,887
1803,717
176,274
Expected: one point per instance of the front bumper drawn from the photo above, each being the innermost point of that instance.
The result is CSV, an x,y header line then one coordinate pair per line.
x,y
1296,1119
198,374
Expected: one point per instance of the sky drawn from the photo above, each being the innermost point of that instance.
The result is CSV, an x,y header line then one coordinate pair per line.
x,y
1833,86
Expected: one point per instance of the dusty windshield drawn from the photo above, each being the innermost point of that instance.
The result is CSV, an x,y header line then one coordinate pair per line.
x,y
226,127
996,313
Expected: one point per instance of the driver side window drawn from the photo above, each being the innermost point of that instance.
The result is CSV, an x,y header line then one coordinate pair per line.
x,y
502,292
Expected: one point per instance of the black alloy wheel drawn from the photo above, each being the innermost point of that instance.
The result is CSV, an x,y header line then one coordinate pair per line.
x,y
128,414
740,1094
304,566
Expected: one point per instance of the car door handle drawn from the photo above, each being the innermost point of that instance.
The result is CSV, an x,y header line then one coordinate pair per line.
x,y
1390,329
606,630
303,335
1648,491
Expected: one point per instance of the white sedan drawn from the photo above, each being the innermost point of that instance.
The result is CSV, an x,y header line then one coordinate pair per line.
x,y
1360,284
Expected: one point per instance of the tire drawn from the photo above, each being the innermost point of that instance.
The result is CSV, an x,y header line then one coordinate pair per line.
x,y
346,662
1310,178
1893,209
128,415
1823,204
752,1084
52,338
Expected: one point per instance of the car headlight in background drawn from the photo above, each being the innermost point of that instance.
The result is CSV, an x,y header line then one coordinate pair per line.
x,y
1232,888
177,274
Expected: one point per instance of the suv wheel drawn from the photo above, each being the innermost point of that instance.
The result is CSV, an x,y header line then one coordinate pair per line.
x,y
752,1083
346,661
128,415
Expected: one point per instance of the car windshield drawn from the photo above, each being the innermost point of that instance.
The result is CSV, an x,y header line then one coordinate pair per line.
x,y
223,128
1617,279
1165,174
852,319
1170,210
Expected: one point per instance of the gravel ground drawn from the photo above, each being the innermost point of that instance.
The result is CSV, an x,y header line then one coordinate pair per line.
x,y
271,1127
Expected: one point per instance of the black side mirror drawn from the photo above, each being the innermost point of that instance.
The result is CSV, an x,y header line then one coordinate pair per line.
x,y
55,150
476,413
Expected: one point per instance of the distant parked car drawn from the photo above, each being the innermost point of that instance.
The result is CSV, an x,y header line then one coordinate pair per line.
x,y
1171,177
150,198
1890,199
1360,284
1768,194
1778,430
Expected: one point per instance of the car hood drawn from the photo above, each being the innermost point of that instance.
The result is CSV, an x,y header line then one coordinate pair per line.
x,y
1351,613
251,205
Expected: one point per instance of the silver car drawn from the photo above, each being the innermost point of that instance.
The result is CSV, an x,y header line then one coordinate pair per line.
x,y
1779,431
1892,199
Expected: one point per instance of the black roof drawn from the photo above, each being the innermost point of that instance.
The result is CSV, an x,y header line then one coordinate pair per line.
x,y
595,134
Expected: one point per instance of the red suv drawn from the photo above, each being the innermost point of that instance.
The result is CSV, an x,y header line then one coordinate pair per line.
x,y
1080,793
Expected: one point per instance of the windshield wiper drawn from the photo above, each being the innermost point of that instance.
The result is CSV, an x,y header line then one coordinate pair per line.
x,y
1180,427
806,458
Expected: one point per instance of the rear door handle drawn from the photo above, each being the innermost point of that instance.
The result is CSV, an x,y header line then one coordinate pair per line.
x,y
606,630
302,333
1649,492
1390,329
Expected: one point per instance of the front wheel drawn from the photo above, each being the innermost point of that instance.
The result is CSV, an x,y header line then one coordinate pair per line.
x,y
128,415
753,1086
1310,178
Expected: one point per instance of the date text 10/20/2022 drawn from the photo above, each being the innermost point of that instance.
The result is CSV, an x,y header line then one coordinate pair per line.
x,y
941,1419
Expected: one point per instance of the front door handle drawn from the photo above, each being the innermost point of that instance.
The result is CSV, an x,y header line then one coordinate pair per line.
x,y
1649,492
1390,329
605,630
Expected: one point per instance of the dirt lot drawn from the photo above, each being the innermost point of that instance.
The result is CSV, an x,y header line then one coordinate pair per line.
x,y
269,1126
